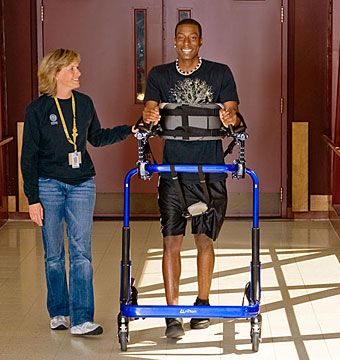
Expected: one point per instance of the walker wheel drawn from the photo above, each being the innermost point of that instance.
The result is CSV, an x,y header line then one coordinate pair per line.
x,y
255,341
123,331
255,332
123,341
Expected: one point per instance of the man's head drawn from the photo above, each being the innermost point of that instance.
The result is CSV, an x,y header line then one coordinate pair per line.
x,y
188,39
190,22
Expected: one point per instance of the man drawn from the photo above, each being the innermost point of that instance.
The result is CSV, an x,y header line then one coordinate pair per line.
x,y
190,80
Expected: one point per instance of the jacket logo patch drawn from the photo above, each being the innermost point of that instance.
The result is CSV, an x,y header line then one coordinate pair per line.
x,y
54,119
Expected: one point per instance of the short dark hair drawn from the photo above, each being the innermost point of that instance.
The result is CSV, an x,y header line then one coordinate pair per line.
x,y
189,22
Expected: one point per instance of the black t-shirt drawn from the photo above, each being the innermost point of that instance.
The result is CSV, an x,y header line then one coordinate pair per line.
x,y
211,83
45,147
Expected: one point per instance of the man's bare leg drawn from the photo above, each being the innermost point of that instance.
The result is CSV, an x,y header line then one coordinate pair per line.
x,y
205,264
171,267
205,267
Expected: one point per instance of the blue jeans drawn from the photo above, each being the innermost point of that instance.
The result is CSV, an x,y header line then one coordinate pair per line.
x,y
73,205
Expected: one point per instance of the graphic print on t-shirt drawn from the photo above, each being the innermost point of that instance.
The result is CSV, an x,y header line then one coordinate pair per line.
x,y
191,91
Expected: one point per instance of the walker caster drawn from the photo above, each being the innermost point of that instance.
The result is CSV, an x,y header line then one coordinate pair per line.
x,y
123,331
255,332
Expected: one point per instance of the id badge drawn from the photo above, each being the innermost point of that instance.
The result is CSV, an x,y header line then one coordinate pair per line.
x,y
74,159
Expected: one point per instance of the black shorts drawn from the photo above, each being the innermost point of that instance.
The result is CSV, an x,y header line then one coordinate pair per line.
x,y
172,220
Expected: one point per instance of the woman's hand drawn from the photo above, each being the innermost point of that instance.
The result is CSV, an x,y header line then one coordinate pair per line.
x,y
36,212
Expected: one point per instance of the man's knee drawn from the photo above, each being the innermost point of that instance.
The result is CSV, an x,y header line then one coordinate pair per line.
x,y
203,242
172,244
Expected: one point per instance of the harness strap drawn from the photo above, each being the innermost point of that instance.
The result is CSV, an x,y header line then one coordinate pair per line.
x,y
194,132
189,110
204,185
179,191
230,148
185,123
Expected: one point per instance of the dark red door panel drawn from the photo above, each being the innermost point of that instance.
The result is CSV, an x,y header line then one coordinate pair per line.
x,y
246,35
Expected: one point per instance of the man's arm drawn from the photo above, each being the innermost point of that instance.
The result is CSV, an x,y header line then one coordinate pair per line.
x,y
228,114
151,112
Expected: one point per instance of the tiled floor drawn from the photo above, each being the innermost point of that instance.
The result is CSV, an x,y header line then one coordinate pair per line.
x,y
300,295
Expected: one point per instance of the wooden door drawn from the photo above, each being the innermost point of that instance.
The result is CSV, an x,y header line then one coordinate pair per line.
x,y
3,186
4,140
3,157
247,35
102,31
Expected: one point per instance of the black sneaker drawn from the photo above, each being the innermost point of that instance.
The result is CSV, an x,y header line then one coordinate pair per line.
x,y
197,323
174,328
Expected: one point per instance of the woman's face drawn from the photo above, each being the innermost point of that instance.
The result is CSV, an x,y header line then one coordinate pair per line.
x,y
68,77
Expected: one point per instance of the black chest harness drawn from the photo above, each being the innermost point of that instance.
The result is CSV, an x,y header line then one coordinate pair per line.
x,y
191,123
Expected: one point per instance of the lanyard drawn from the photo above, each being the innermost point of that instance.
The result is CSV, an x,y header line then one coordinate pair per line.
x,y
74,129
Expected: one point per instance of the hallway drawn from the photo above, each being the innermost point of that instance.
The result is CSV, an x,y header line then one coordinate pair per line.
x,y
300,294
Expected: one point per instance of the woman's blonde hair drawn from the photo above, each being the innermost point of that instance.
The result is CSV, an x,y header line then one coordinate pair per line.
x,y
53,62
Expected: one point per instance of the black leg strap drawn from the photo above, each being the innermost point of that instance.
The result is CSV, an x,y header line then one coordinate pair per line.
x,y
179,191
204,185
230,148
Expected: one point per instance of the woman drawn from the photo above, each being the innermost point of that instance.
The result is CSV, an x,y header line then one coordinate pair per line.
x,y
58,182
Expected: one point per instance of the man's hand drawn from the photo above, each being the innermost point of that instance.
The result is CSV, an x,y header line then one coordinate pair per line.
x,y
228,114
36,212
151,113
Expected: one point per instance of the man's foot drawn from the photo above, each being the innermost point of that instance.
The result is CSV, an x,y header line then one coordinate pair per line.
x,y
174,328
58,323
197,323
87,328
